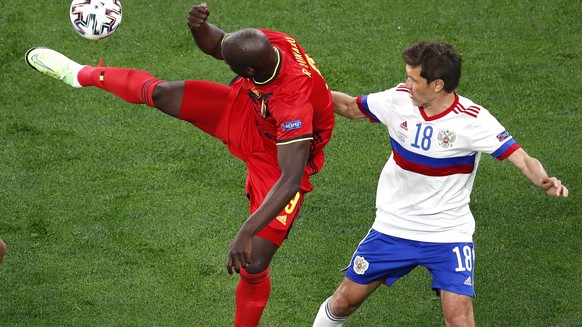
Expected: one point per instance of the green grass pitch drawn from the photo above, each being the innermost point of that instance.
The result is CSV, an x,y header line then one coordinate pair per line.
x,y
116,215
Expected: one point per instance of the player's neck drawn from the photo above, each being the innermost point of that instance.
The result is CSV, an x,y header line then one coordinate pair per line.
x,y
268,71
440,104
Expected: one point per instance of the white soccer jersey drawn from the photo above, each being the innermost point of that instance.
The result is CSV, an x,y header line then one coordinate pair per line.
x,y
424,189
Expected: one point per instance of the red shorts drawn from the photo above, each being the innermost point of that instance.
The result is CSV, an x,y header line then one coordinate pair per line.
x,y
279,228
210,107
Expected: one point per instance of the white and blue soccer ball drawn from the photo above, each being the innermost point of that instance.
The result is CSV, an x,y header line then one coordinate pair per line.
x,y
95,19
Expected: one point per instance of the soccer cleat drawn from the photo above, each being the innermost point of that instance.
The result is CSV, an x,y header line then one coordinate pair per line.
x,y
53,64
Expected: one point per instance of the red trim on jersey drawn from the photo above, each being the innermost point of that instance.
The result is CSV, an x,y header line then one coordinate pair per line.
x,y
509,152
402,88
442,114
472,111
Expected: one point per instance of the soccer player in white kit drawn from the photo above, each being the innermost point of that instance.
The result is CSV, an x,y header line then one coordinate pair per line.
x,y
422,203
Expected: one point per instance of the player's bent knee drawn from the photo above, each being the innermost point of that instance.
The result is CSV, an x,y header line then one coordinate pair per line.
x,y
341,306
257,267
167,97
458,309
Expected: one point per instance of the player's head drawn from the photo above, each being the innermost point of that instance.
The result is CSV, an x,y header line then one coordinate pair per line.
x,y
247,51
436,60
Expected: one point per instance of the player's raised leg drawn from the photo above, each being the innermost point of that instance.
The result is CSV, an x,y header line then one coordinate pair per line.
x,y
131,85
199,102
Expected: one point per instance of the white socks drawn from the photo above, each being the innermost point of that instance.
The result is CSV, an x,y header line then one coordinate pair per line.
x,y
76,69
325,318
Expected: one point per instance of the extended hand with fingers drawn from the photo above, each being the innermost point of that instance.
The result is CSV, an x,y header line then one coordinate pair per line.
x,y
239,254
554,187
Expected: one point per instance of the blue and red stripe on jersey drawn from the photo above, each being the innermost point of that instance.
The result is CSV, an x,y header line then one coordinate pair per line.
x,y
430,166
362,102
506,149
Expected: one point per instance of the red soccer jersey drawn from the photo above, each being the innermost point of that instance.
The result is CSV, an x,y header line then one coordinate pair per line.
x,y
252,119
294,105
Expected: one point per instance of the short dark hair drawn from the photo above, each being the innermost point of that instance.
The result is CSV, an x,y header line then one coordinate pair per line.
x,y
437,60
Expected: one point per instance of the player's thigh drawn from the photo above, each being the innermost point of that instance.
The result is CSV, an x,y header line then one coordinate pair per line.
x,y
198,102
204,103
457,309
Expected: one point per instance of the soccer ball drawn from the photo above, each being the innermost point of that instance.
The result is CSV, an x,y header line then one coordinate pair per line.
x,y
95,19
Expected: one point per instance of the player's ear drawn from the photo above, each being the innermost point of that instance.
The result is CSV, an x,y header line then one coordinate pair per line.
x,y
438,85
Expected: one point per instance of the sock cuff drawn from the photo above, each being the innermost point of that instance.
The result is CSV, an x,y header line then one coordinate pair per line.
x,y
329,314
254,278
148,90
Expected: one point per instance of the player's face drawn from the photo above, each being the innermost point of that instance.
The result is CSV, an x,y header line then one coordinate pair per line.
x,y
421,92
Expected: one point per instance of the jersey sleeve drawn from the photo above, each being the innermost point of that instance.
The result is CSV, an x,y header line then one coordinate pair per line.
x,y
377,107
293,113
489,136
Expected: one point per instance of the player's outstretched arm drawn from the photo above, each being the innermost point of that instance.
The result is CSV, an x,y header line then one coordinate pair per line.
x,y
208,37
345,105
533,169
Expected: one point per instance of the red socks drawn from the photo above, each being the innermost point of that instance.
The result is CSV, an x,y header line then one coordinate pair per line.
x,y
134,86
252,293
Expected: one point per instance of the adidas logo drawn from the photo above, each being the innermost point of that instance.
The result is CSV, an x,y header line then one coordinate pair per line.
x,y
282,219
468,281
404,125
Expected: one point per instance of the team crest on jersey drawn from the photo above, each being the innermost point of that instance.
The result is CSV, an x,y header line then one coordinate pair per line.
x,y
260,102
360,265
256,93
446,138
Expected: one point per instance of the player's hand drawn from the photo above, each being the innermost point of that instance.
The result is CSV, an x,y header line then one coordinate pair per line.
x,y
198,16
554,187
239,254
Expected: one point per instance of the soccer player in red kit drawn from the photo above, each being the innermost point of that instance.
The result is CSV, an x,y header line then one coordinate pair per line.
x,y
276,116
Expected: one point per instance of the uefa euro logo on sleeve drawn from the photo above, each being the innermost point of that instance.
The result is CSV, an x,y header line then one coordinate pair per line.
x,y
503,135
